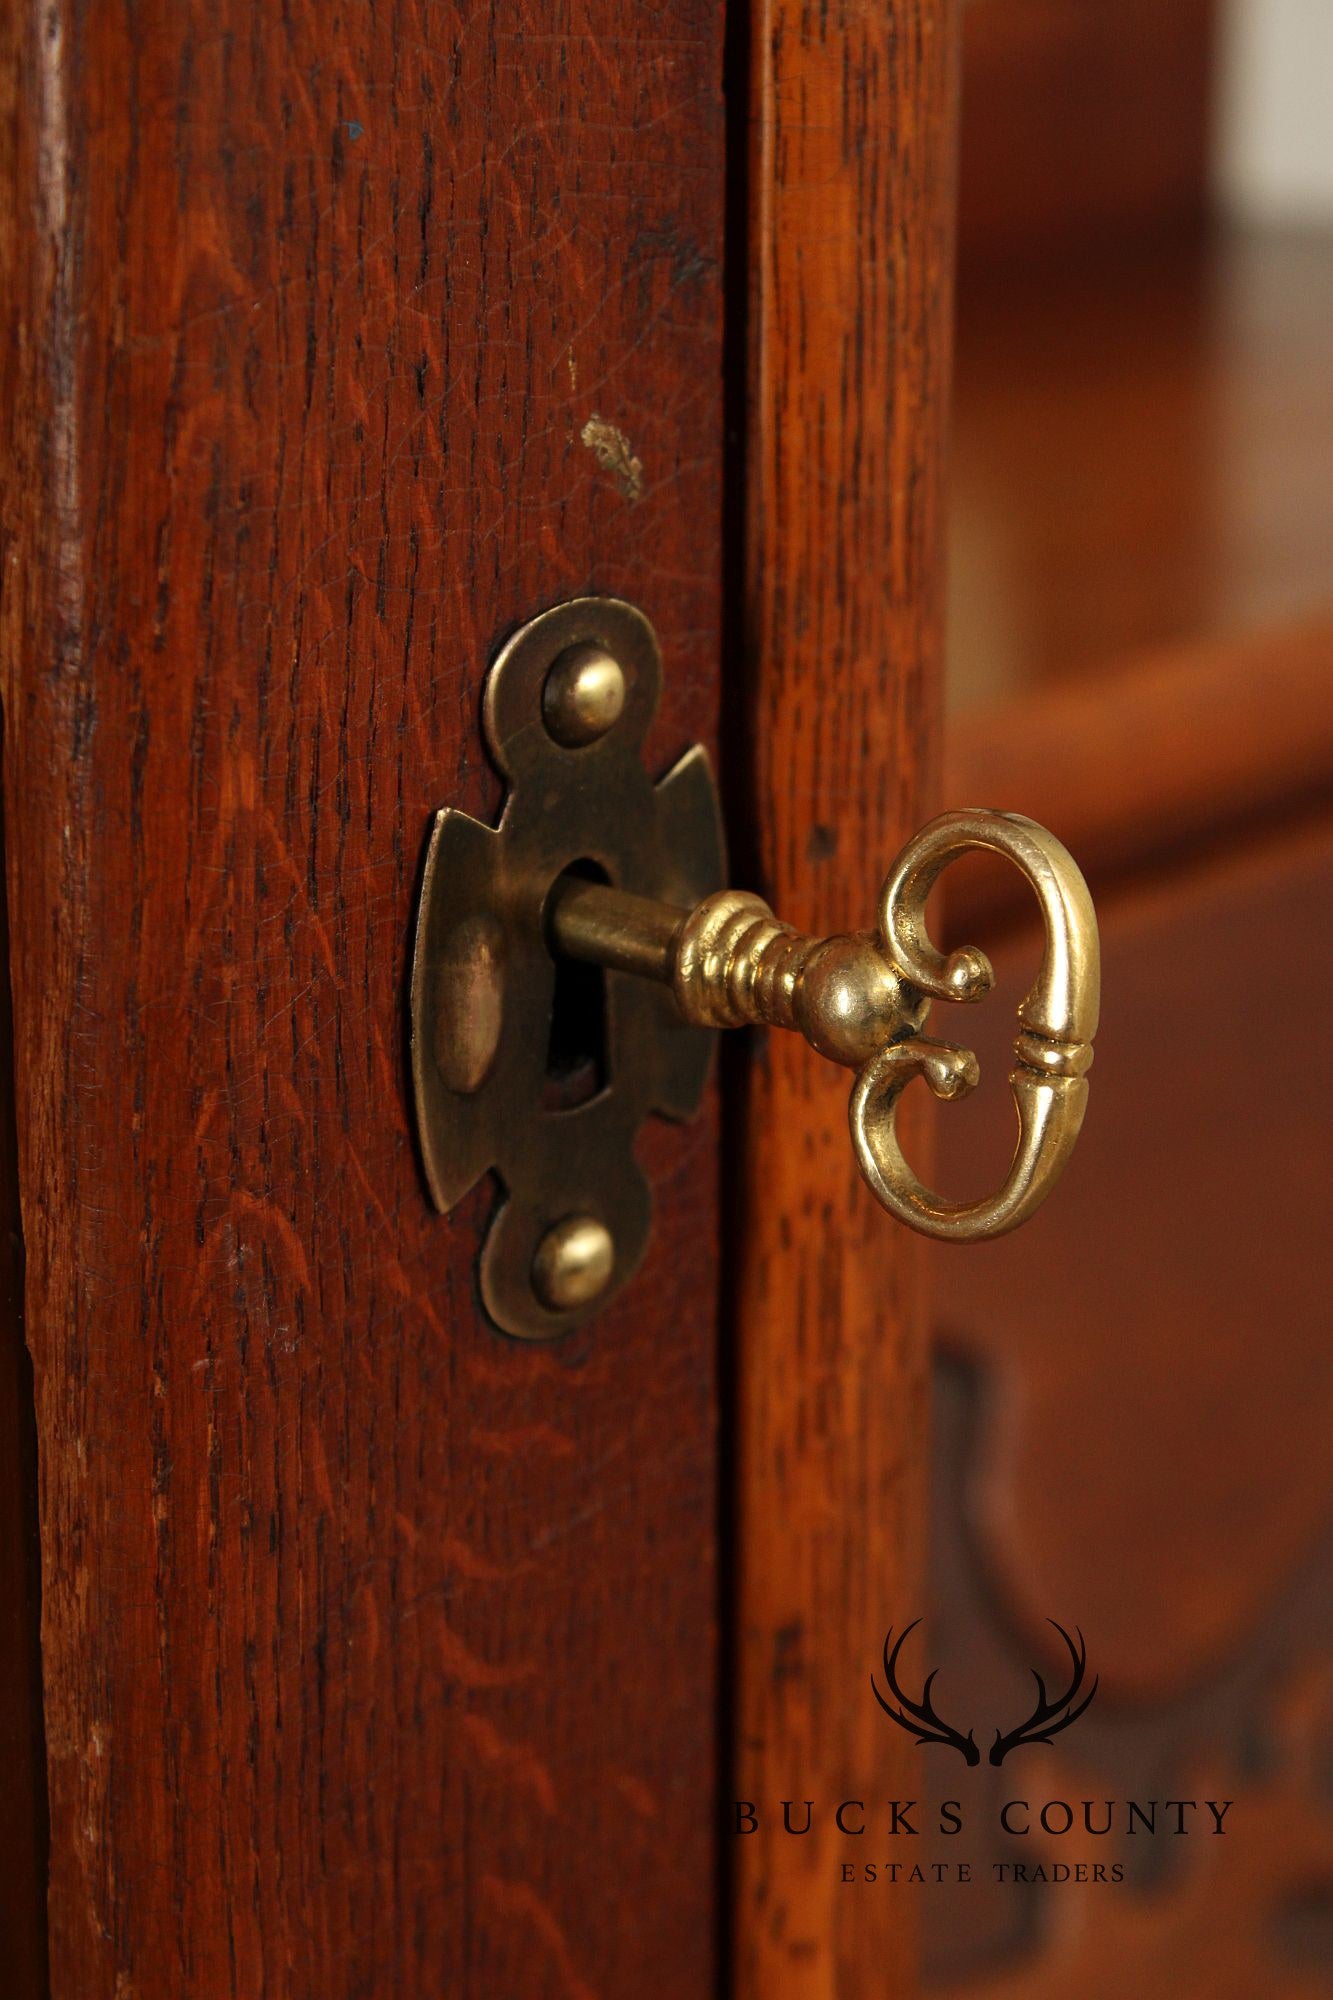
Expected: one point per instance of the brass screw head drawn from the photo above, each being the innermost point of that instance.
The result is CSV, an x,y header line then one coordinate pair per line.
x,y
573,1263
584,696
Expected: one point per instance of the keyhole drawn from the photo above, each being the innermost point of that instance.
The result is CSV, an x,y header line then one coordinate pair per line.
x,y
577,1051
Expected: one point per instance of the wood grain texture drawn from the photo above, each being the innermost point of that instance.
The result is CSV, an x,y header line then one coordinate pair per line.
x,y
23,1831
851,195
378,1650
23,1827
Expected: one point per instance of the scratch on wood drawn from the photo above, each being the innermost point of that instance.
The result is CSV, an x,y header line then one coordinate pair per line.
x,y
611,448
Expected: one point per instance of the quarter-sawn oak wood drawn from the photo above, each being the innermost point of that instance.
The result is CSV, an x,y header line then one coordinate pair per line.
x,y
851,203
378,1649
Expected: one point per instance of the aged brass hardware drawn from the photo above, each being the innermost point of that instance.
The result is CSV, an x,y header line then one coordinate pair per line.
x,y
591,865
565,709
573,1263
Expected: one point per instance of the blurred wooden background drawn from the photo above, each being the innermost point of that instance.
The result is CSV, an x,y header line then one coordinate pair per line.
x,y
1134,1398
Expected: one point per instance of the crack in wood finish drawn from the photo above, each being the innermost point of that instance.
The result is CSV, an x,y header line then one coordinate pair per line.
x,y
378,1650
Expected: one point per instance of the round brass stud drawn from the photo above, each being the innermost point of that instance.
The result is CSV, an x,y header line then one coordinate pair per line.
x,y
573,1263
584,695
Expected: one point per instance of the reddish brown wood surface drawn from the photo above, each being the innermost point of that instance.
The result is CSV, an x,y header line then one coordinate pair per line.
x,y
1140,766
1144,454
851,205
23,1832
22,1748
1157,1333
1082,117
1136,1393
378,1649
1132,1394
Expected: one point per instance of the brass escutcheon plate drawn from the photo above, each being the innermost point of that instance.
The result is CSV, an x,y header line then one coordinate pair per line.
x,y
484,982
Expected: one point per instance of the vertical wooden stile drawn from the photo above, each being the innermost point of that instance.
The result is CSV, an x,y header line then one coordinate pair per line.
x,y
851,197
